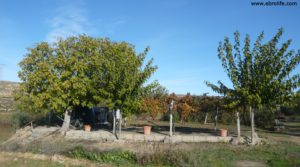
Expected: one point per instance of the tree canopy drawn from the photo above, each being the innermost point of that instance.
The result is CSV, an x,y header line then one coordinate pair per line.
x,y
262,74
84,71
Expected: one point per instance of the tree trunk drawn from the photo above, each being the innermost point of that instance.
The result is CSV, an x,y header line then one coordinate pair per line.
x,y
171,123
67,119
50,117
125,122
114,122
238,125
216,119
120,124
252,127
205,120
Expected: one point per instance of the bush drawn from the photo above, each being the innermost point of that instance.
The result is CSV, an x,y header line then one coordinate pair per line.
x,y
287,110
227,117
264,118
196,117
118,157
166,117
20,119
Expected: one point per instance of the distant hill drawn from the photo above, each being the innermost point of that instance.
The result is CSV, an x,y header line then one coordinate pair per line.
x,y
7,88
7,102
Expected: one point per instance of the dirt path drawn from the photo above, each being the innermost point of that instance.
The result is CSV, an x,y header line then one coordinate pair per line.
x,y
245,163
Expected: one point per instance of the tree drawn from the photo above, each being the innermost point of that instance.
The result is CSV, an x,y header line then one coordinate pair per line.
x,y
184,106
261,76
153,100
207,105
83,71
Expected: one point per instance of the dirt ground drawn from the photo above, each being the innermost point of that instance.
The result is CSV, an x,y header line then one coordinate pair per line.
x,y
52,147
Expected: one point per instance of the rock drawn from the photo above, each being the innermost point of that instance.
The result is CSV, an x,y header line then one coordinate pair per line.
x,y
237,141
257,140
169,139
58,158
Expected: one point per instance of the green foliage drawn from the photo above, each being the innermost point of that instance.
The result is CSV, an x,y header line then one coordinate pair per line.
x,y
155,90
83,71
116,157
176,117
293,107
262,75
264,117
206,103
20,119
226,117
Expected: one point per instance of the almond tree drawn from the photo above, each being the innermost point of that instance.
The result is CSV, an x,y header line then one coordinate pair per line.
x,y
261,75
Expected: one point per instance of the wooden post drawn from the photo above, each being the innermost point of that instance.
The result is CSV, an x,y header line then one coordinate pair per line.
x,y
252,126
114,122
171,123
120,124
171,117
205,120
238,124
216,119
31,126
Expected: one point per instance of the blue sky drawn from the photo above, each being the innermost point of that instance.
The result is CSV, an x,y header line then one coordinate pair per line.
x,y
183,34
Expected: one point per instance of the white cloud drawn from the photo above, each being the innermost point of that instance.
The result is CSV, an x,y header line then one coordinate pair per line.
x,y
72,19
69,20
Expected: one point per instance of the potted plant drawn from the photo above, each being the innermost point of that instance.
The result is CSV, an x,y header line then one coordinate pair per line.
x,y
147,130
223,132
87,127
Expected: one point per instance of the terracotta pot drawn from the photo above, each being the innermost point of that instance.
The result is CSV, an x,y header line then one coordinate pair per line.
x,y
147,130
223,132
87,128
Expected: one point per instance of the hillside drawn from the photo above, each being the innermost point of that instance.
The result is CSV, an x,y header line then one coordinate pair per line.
x,y
6,95
7,88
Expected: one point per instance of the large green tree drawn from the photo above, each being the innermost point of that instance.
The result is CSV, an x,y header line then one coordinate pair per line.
x,y
83,71
262,75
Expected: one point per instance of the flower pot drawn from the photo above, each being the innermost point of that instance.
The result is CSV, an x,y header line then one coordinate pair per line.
x,y
223,132
147,130
87,128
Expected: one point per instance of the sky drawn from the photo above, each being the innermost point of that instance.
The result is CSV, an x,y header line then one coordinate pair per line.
x,y
183,35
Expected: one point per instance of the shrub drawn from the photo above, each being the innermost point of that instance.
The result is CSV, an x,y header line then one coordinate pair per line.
x,y
117,157
20,119
166,117
227,117
264,118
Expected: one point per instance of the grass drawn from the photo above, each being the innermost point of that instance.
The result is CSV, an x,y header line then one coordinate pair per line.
x,y
26,162
113,157
6,129
206,154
